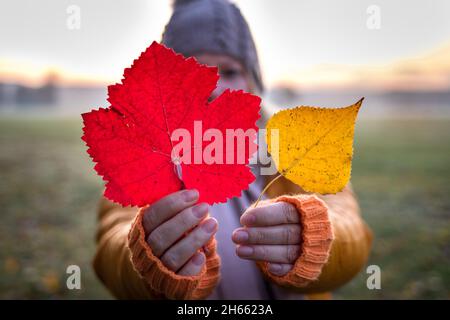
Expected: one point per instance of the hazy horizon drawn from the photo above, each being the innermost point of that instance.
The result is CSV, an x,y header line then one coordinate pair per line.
x,y
312,45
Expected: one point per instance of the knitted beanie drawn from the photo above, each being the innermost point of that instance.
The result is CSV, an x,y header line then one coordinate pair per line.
x,y
213,26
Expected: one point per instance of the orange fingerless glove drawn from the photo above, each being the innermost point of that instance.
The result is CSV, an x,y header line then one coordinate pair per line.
x,y
163,280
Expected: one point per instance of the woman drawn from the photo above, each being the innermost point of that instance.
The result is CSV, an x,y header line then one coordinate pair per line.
x,y
291,243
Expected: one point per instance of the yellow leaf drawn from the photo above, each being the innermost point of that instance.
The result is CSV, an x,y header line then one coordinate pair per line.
x,y
315,146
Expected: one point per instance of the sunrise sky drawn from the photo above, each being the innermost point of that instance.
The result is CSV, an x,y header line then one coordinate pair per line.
x,y
310,44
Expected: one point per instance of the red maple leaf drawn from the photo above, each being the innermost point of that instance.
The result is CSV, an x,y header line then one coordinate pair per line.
x,y
131,140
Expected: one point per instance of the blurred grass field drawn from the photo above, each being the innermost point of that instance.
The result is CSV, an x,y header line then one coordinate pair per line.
x,y
49,194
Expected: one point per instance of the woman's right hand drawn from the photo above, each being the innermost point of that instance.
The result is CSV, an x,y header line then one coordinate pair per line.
x,y
177,228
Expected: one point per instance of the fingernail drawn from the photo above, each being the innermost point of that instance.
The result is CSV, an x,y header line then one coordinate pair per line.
x,y
245,251
240,236
200,210
198,259
248,219
190,195
209,225
275,268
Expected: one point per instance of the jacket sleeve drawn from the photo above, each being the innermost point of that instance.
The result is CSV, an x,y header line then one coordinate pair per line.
x,y
126,265
335,242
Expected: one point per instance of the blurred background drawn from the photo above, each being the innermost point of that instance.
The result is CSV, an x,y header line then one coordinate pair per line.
x,y
57,57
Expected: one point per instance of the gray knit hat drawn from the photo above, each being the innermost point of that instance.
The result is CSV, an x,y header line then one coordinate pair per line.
x,y
215,26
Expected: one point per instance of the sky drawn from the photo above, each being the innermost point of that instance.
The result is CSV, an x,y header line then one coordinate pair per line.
x,y
310,43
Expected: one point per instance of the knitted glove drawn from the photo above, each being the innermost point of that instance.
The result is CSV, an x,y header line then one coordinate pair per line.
x,y
165,281
317,237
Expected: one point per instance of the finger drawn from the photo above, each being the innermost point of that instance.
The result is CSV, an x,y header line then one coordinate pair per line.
x,y
178,254
270,253
270,215
167,207
282,234
193,266
280,269
173,229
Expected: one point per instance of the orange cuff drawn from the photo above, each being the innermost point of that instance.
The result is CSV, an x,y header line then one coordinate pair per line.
x,y
163,280
317,237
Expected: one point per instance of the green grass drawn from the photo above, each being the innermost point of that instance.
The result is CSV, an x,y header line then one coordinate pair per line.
x,y
401,173
49,194
48,197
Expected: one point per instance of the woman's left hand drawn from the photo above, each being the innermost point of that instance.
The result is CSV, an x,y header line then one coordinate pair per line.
x,y
271,233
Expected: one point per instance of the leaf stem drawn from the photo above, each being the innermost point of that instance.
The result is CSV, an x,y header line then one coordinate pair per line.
x,y
266,188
